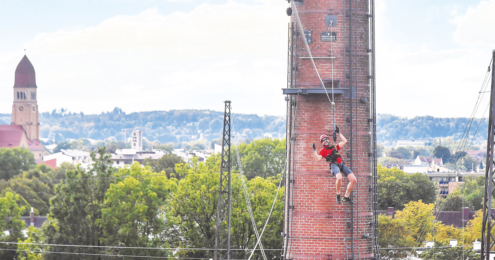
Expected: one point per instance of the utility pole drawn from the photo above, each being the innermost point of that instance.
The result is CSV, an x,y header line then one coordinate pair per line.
x,y
487,239
222,233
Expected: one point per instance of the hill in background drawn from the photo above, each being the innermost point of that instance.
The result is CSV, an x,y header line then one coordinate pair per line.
x,y
176,126
164,126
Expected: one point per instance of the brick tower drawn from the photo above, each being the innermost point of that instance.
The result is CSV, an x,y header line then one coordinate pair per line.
x,y
338,32
25,107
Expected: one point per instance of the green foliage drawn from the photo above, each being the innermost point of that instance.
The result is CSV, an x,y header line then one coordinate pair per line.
x,y
396,188
395,154
174,126
405,152
393,127
262,158
472,190
442,251
468,162
10,220
442,152
76,208
458,155
167,163
63,145
453,202
133,213
164,147
14,161
31,252
35,192
393,233
193,210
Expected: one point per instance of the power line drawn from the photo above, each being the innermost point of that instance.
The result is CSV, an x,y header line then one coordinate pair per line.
x,y
110,255
125,247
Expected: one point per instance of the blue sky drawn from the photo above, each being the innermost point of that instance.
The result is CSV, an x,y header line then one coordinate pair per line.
x,y
91,56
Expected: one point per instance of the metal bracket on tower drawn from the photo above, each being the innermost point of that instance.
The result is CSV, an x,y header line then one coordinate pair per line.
x,y
222,234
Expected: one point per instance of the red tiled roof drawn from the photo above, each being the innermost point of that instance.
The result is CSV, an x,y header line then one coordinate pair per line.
x,y
35,145
10,135
51,163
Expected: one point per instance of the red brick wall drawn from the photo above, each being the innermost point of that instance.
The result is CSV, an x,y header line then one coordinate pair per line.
x,y
317,229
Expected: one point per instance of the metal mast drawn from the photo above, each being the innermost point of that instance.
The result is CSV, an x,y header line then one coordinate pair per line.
x,y
487,239
374,163
222,233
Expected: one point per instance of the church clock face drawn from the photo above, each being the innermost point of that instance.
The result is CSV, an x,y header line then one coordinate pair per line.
x,y
33,109
21,108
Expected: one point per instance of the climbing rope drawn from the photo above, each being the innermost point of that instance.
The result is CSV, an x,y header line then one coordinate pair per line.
x,y
247,196
301,29
248,200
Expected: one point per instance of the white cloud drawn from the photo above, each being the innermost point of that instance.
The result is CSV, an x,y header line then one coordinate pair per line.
x,y
151,61
477,26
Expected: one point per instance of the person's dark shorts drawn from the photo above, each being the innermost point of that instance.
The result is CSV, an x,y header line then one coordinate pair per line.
x,y
340,167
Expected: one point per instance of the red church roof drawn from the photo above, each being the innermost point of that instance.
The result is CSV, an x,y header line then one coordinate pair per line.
x,y
10,135
24,74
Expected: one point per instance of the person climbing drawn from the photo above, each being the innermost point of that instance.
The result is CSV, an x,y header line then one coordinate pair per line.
x,y
331,153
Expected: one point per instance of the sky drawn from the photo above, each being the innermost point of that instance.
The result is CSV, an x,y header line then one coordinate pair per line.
x,y
143,55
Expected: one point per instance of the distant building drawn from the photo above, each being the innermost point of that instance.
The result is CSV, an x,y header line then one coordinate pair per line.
x,y
24,131
74,157
423,164
419,142
137,140
123,157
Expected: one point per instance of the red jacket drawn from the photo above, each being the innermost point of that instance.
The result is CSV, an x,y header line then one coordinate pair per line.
x,y
326,152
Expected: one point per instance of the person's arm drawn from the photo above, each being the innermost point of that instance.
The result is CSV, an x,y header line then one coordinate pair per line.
x,y
317,156
343,141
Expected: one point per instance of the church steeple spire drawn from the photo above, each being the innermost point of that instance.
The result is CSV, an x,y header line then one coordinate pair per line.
x,y
25,107
24,74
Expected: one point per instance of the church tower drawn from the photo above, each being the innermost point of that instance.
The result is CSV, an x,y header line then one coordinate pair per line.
x,y
25,107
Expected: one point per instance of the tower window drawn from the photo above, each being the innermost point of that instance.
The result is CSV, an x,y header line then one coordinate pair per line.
x,y
17,94
33,95
24,95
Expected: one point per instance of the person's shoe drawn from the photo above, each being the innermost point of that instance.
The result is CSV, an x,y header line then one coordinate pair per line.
x,y
347,200
338,199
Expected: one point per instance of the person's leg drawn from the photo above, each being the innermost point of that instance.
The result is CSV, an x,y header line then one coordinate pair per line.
x,y
350,186
338,183
336,172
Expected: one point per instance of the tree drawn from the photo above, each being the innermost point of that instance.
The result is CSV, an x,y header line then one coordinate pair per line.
x,y
472,190
458,155
396,188
442,251
453,202
263,158
192,211
35,192
469,162
393,234
62,145
132,212
76,208
442,152
29,250
14,161
418,218
10,220
405,152
395,154
379,150
166,163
